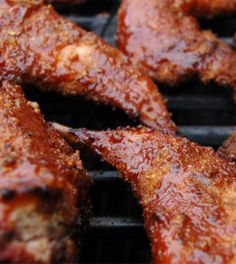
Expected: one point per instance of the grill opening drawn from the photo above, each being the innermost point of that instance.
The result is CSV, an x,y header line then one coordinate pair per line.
x,y
204,114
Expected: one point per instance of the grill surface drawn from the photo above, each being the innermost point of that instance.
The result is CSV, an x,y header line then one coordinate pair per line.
x,y
204,114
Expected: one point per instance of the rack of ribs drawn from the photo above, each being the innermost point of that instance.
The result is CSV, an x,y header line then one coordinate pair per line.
x,y
42,48
164,38
43,186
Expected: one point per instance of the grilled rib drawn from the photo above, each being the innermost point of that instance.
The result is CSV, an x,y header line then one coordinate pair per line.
x,y
169,45
206,8
187,192
43,186
228,149
66,1
38,46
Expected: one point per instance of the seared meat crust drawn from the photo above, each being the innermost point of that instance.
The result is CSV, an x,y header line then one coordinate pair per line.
x,y
77,2
38,46
206,8
187,191
43,186
168,44
228,149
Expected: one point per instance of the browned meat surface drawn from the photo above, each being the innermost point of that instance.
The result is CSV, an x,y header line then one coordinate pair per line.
x,y
206,8
38,46
43,186
234,41
70,2
66,1
188,193
169,45
228,150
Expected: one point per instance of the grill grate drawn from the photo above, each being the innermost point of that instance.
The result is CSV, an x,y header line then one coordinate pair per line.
x,y
204,114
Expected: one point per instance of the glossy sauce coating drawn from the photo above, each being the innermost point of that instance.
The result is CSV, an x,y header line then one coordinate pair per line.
x,y
187,192
228,149
38,46
169,45
43,186
66,1
206,8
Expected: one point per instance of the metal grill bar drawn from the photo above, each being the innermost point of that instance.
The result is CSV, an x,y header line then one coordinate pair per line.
x,y
105,176
204,135
115,223
199,102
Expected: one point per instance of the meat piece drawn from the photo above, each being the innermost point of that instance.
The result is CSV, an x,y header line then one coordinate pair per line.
x,y
206,8
234,41
169,45
38,46
187,192
43,186
228,149
71,2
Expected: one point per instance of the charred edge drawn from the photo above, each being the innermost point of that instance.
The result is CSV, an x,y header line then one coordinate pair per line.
x,y
7,194
43,192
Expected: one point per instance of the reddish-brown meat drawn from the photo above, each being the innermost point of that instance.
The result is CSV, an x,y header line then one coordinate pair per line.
x,y
38,46
187,192
206,8
228,150
76,2
170,46
43,186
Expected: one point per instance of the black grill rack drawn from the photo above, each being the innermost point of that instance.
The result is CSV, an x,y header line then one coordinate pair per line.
x,y
204,114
